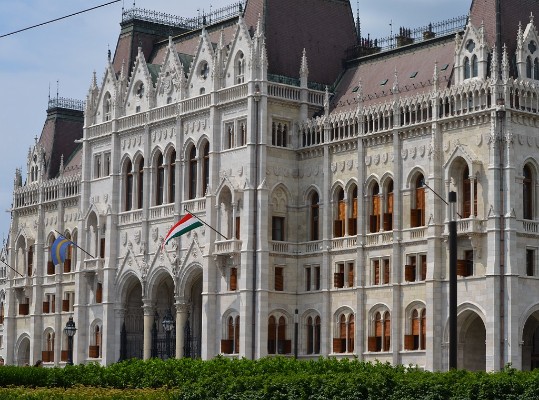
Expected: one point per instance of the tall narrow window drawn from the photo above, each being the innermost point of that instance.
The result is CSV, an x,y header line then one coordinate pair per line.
x,y
467,71
474,66
314,216
529,67
340,211
536,69
375,209
192,173
527,193
172,177
277,228
388,215
417,217
205,167
352,222
128,186
467,194
313,335
279,279
160,181
530,262
140,197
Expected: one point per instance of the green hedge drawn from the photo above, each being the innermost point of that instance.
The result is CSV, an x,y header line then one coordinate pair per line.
x,y
268,378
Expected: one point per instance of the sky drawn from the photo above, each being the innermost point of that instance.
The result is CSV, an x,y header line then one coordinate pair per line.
x,y
69,50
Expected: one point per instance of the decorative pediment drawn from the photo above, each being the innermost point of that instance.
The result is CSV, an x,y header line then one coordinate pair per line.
x,y
171,81
140,90
200,77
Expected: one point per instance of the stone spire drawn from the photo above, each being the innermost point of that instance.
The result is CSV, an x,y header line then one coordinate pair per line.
x,y
435,78
505,64
304,69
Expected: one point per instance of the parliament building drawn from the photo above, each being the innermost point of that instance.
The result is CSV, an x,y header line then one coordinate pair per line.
x,y
320,160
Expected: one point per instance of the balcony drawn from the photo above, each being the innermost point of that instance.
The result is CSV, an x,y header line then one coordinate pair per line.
x,y
227,247
93,264
379,238
469,225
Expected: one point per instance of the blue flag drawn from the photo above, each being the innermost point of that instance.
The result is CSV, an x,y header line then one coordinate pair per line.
x,y
59,250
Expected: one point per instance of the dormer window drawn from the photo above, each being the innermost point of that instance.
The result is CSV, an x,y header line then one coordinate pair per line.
x,y
140,90
240,68
470,46
532,47
204,70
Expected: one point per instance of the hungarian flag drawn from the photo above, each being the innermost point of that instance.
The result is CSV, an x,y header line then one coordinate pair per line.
x,y
186,224
59,250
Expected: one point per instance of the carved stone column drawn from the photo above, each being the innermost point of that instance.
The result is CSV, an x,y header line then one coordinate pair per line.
x,y
148,321
182,311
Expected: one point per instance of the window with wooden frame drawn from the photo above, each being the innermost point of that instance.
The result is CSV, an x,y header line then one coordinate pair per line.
x,y
415,268
99,293
47,354
467,194
374,220
233,279
277,342
279,279
313,335
140,183
171,165
417,212
380,271
465,266
339,222
388,215
49,305
231,343
351,274
344,342
381,329
352,221
416,339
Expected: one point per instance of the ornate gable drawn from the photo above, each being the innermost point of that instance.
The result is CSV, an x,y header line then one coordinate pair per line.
x,y
171,83
140,91
527,52
236,65
200,74
471,54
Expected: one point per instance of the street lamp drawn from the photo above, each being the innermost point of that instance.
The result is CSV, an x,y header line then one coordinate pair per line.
x,y
70,331
168,325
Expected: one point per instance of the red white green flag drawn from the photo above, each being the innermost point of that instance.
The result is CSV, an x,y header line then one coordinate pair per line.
x,y
186,224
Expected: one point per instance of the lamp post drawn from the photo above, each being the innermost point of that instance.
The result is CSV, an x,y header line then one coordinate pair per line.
x,y
70,331
452,282
168,324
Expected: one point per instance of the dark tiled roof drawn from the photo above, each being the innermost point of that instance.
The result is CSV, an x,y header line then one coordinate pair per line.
x,y
415,69
512,12
62,127
325,28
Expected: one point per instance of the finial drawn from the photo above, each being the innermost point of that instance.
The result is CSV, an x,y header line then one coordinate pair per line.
x,y
531,17
395,82
108,52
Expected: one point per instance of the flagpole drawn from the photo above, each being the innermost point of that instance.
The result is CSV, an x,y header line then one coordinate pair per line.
x,y
13,269
75,244
216,231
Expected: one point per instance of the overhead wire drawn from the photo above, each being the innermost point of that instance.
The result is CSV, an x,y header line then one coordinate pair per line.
x,y
58,19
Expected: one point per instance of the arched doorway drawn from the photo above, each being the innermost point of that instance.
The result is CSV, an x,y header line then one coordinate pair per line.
x,y
471,344
132,331
530,346
193,326
164,327
23,353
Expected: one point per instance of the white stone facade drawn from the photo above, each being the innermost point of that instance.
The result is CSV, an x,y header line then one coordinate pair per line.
x,y
336,242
